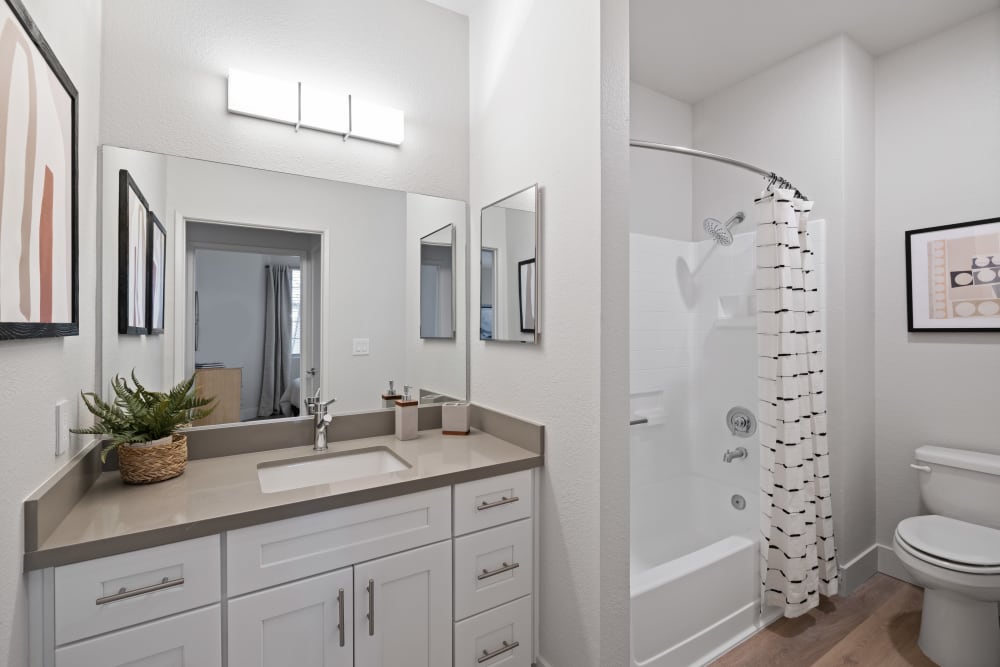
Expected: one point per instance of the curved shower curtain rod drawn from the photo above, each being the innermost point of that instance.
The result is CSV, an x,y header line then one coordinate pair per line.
x,y
770,175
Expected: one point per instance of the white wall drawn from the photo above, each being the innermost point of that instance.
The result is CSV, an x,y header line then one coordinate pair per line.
x,y
809,119
660,183
938,162
38,373
164,87
525,130
121,354
438,365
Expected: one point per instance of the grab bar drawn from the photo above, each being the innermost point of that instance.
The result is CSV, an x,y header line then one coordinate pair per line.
x,y
640,420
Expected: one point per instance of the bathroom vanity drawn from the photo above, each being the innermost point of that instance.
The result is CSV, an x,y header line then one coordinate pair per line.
x,y
429,565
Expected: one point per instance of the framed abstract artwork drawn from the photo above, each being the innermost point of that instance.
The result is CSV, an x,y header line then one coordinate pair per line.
x,y
156,274
953,277
526,294
39,265
133,256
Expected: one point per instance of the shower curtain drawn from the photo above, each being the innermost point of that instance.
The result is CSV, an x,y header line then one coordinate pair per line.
x,y
798,556
277,339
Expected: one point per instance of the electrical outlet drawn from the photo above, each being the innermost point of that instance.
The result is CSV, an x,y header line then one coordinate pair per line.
x,y
62,427
361,347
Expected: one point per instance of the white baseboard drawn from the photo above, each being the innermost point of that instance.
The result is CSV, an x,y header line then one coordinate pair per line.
x,y
889,563
540,662
858,570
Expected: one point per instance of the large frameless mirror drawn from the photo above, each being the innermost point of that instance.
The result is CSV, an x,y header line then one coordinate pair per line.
x,y
509,269
437,284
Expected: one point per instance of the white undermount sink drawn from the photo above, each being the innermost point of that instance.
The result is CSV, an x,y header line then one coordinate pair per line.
x,y
327,468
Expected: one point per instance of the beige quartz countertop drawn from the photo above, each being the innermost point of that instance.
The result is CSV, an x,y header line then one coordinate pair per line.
x,y
223,493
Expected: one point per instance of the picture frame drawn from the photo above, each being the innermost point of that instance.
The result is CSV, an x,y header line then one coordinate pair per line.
x,y
133,256
41,297
953,277
528,309
156,274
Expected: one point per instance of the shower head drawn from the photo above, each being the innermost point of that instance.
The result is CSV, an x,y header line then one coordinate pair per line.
x,y
720,231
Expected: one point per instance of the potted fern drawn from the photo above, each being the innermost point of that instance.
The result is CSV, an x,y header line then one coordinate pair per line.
x,y
142,425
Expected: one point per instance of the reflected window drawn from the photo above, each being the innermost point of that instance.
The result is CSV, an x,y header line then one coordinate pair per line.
x,y
296,312
487,292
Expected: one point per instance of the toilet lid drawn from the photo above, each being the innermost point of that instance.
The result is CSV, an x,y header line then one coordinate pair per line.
x,y
952,540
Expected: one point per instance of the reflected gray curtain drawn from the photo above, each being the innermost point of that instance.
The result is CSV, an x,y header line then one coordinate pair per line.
x,y
277,339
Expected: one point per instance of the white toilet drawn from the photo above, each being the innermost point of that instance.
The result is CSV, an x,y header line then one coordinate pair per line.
x,y
954,554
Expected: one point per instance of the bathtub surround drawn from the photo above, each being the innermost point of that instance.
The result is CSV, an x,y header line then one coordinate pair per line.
x,y
798,554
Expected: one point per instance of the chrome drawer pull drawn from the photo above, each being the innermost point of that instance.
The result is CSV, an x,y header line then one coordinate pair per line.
x,y
500,651
340,608
371,607
503,501
124,594
500,570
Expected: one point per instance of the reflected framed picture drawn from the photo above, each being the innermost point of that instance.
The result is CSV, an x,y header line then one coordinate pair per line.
x,y
526,294
133,256
953,277
156,274
39,266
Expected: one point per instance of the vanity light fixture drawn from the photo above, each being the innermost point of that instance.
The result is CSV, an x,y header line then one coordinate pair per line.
x,y
376,122
263,97
305,105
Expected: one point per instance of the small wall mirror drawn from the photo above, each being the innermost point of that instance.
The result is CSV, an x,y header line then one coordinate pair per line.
x,y
508,286
437,284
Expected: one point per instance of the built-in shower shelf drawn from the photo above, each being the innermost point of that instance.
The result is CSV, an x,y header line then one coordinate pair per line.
x,y
736,323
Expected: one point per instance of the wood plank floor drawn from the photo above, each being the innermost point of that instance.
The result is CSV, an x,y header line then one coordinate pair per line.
x,y
877,625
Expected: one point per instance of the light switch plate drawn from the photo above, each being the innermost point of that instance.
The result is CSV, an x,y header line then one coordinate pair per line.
x,y
361,347
62,427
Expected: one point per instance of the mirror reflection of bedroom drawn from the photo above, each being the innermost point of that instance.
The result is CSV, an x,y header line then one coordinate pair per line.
x,y
250,321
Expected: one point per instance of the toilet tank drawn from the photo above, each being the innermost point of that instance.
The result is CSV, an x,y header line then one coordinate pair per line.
x,y
960,484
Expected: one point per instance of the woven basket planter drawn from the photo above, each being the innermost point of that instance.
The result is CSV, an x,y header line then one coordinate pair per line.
x,y
153,463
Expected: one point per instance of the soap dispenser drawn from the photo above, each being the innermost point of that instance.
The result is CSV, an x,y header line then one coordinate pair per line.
x,y
390,395
406,416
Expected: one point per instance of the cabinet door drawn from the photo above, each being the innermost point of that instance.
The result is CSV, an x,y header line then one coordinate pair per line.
x,y
306,624
192,639
402,609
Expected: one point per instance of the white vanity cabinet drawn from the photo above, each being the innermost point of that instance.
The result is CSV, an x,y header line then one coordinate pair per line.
x,y
387,583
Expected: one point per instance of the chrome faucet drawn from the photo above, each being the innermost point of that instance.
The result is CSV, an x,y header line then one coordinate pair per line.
x,y
317,408
734,454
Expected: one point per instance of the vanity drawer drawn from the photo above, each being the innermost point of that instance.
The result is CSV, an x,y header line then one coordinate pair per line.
x,y
492,567
157,582
192,639
480,640
274,553
492,501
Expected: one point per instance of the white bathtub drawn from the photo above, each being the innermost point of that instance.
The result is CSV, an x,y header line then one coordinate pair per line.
x,y
694,571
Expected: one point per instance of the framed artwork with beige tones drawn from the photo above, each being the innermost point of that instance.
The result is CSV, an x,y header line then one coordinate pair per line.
x,y
39,270
953,277
133,256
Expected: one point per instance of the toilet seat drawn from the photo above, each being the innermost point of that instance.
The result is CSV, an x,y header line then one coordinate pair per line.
x,y
951,544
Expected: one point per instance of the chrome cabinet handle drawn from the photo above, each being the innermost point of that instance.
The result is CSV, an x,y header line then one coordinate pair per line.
x,y
124,594
640,420
500,570
497,503
371,607
500,651
340,608
920,468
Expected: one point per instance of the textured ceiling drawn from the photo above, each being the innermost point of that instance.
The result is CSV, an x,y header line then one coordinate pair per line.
x,y
689,49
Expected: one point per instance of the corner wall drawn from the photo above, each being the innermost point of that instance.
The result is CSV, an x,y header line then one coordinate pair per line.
x,y
938,162
809,119
536,105
38,373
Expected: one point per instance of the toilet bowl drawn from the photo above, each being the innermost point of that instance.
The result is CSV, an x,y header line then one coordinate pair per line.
x,y
954,555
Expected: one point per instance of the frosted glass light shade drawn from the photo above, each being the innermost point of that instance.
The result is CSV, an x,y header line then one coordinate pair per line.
x,y
376,122
326,111
263,97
